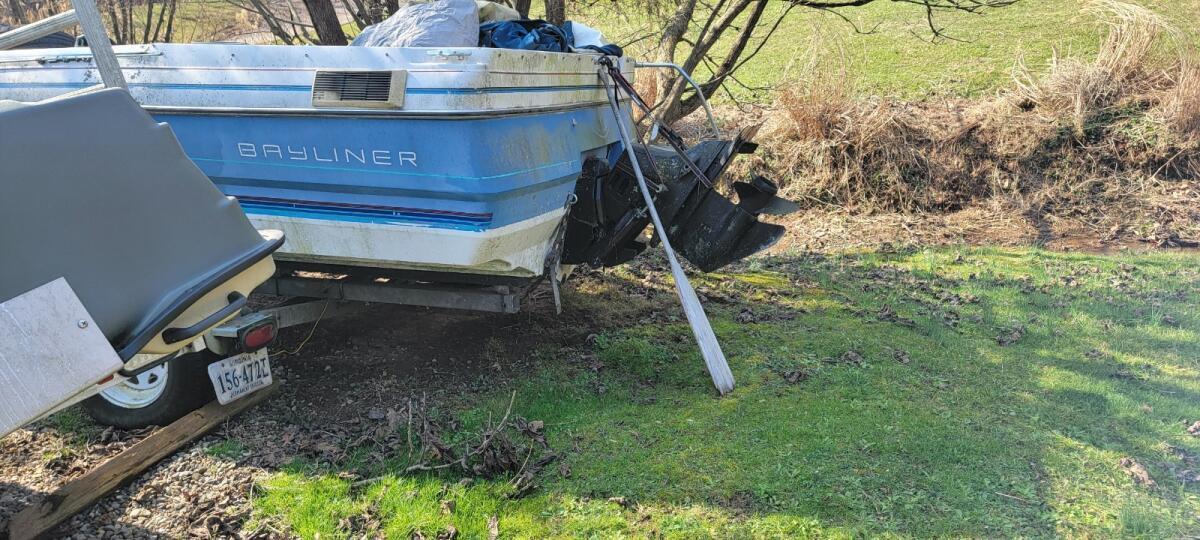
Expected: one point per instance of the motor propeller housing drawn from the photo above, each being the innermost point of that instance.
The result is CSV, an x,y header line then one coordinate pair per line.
x,y
710,231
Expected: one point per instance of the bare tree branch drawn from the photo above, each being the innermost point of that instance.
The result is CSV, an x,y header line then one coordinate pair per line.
x,y
726,14
852,24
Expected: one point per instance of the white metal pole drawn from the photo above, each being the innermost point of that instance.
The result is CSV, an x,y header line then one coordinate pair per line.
x,y
97,39
712,118
32,31
710,349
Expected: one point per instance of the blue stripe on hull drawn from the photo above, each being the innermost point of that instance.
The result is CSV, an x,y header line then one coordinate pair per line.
x,y
328,214
308,88
501,90
464,174
365,213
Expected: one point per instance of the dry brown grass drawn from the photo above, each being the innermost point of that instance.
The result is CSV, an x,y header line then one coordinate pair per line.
x,y
1124,67
1081,136
844,148
1181,104
1144,59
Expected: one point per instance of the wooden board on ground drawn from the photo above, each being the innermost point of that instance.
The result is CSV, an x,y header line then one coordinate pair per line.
x,y
41,517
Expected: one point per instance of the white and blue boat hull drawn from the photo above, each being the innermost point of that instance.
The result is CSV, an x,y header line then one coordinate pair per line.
x,y
484,195
472,174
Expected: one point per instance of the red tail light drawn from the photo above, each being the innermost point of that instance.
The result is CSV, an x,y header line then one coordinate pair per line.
x,y
258,337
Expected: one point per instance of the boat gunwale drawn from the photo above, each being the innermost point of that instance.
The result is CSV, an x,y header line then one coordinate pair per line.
x,y
39,63
470,114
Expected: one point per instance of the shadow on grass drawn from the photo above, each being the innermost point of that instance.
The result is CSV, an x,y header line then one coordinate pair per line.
x,y
963,437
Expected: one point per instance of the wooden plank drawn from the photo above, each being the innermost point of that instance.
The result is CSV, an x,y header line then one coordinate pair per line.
x,y
42,28
40,518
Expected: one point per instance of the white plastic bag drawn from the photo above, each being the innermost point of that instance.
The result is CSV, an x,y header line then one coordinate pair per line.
x,y
493,12
585,35
437,23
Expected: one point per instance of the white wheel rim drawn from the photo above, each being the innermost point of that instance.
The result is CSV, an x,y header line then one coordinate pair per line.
x,y
139,391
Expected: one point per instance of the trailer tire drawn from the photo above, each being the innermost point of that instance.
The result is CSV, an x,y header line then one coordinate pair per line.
x,y
158,396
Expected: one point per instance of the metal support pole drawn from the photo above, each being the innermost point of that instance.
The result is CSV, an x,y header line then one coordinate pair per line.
x,y
22,35
712,119
97,39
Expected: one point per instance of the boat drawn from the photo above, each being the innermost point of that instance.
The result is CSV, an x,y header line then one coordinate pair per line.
x,y
452,164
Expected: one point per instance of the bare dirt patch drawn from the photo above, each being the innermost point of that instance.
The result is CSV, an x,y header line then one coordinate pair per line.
x,y
990,223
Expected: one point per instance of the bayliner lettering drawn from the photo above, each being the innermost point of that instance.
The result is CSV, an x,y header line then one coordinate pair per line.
x,y
352,156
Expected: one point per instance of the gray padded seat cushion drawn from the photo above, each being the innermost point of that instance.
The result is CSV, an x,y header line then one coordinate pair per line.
x,y
93,189
8,105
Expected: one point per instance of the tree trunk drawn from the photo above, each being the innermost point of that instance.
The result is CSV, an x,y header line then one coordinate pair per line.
x,y
362,19
556,12
273,23
158,26
672,35
171,21
714,29
324,18
710,87
522,7
299,30
117,37
675,30
149,19
127,16
739,47
18,13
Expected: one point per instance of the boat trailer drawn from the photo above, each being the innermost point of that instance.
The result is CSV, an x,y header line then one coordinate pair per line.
x,y
617,197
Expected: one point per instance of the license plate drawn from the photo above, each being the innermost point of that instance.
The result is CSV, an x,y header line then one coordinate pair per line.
x,y
238,376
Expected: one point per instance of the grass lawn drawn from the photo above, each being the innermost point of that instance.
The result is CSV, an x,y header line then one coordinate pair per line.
x,y
998,393
897,58
199,21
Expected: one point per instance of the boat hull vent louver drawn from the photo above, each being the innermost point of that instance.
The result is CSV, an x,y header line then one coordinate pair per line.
x,y
368,89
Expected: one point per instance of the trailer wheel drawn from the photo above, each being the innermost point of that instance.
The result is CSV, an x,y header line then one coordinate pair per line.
x,y
157,396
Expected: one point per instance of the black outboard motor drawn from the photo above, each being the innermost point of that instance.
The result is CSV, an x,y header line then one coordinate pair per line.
x,y
606,223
